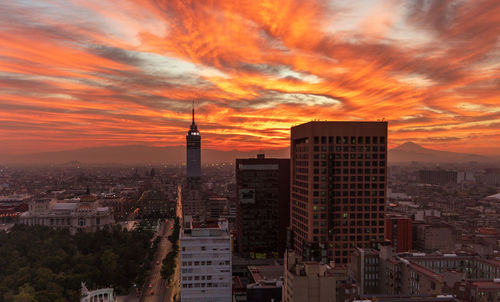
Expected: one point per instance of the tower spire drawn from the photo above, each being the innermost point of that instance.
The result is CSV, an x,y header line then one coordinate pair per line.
x,y
193,128
193,112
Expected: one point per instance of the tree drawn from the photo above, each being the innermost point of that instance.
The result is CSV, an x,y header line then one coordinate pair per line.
x,y
26,294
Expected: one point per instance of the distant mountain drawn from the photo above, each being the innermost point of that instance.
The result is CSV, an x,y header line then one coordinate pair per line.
x,y
134,154
409,152
140,154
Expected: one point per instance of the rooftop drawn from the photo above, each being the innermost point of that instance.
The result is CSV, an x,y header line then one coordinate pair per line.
x,y
266,272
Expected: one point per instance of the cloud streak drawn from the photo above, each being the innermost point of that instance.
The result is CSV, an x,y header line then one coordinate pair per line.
x,y
89,73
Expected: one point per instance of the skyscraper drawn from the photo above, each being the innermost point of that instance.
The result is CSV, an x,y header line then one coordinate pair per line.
x,y
193,148
193,201
338,188
263,205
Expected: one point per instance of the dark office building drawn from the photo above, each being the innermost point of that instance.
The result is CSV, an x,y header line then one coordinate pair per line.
x,y
437,177
338,188
263,206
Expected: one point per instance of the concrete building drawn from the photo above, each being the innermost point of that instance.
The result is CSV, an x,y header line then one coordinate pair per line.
x,y
419,274
194,200
365,269
205,262
338,188
398,230
267,282
263,206
378,272
437,177
217,207
157,204
423,298
83,214
434,237
476,291
310,281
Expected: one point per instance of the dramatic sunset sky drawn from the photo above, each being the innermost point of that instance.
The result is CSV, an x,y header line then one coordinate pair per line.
x,y
82,73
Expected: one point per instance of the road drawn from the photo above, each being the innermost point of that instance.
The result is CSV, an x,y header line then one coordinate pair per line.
x,y
159,285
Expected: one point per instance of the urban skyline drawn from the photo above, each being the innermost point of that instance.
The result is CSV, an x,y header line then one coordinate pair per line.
x,y
93,73
341,151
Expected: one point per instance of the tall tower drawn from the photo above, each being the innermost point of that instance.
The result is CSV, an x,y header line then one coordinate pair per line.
x,y
193,162
338,188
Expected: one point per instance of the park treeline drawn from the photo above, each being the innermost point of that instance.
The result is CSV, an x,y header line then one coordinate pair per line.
x,y
169,263
46,265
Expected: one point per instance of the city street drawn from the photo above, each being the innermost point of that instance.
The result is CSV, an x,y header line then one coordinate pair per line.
x,y
157,292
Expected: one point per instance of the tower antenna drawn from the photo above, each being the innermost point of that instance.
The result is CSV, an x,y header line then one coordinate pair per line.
x,y
193,112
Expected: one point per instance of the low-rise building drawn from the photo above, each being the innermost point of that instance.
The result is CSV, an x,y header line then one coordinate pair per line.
x,y
82,213
434,237
267,282
474,291
205,262
398,231
418,273
310,281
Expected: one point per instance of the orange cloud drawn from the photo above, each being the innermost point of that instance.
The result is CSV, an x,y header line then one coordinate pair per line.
x,y
89,73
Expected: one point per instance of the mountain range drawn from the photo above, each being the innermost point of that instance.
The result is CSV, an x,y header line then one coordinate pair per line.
x,y
411,152
140,154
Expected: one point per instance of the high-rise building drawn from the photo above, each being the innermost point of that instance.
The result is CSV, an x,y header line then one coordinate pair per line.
x,y
205,260
263,205
338,188
193,199
193,148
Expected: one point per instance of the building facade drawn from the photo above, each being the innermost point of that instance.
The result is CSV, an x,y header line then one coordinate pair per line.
x,y
437,177
434,237
155,203
83,214
417,274
205,260
398,230
263,206
311,281
193,151
338,188
98,295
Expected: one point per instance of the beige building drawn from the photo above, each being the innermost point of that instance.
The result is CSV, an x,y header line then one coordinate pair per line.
x,y
310,281
82,213
434,237
418,273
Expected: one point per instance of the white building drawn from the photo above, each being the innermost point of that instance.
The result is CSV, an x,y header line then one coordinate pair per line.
x,y
75,214
98,295
205,260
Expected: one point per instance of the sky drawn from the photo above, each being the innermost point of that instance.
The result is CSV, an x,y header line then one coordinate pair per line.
x,y
85,73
